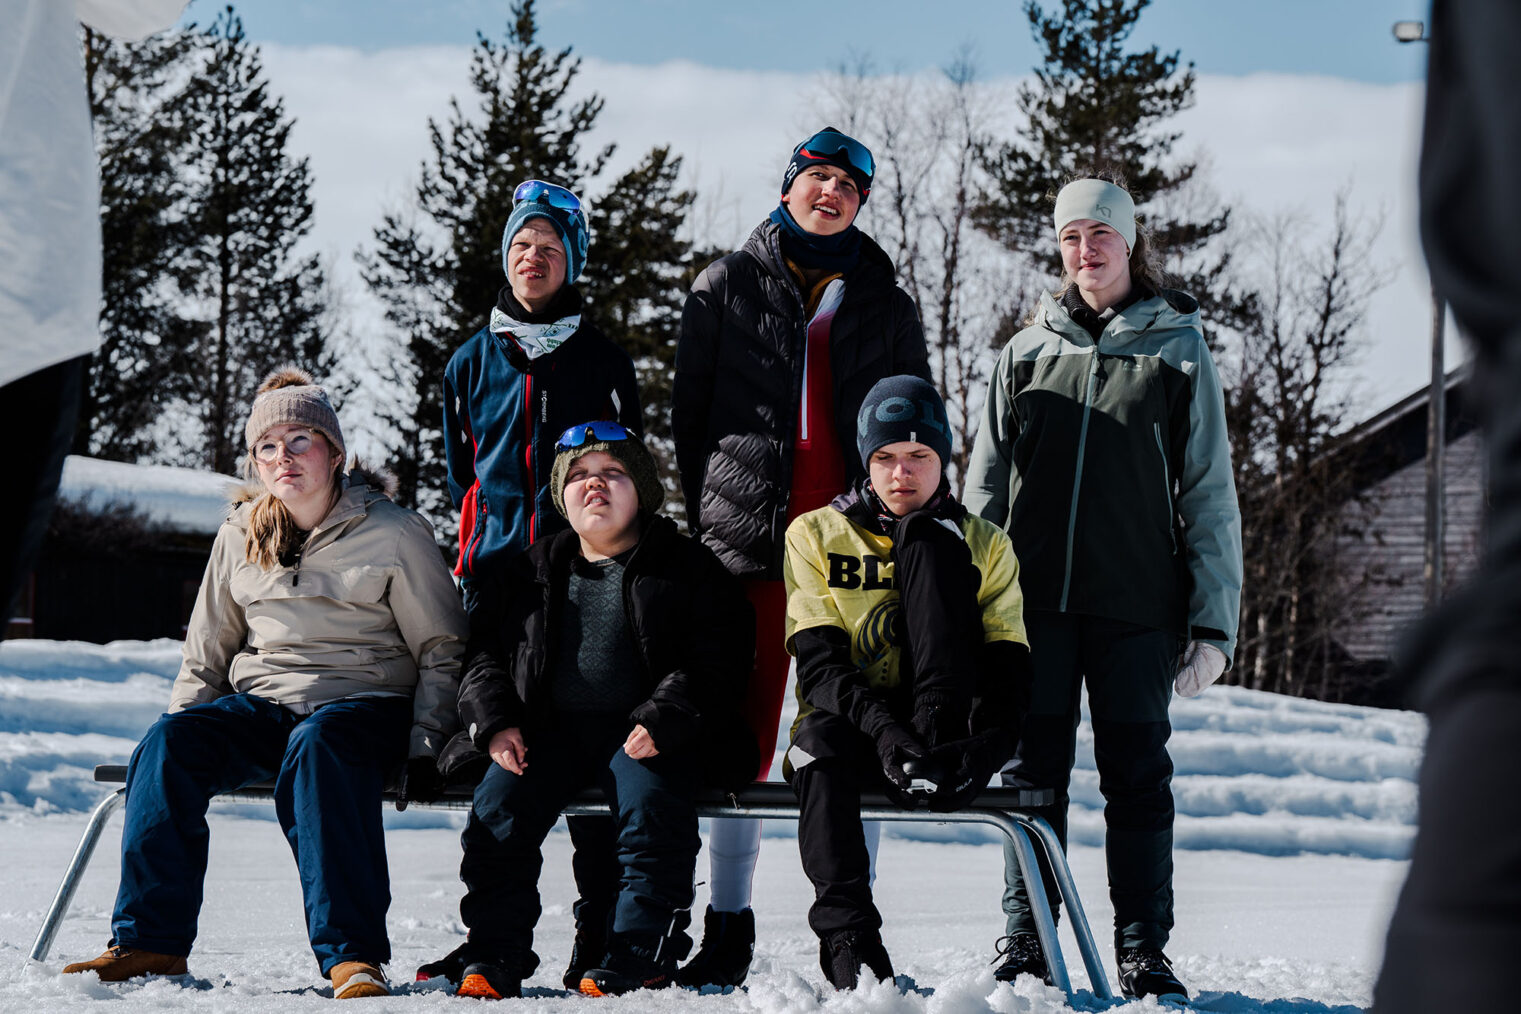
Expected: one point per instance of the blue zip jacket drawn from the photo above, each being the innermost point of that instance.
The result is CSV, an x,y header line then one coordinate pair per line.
x,y
502,415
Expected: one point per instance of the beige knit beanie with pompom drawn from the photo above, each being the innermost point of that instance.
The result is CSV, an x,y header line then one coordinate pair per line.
x,y
290,396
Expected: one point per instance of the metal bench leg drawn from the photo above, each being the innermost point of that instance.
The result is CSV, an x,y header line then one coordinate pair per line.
x,y
1041,831
75,873
1040,907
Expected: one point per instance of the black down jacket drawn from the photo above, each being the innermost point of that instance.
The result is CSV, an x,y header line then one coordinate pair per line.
x,y
689,621
739,384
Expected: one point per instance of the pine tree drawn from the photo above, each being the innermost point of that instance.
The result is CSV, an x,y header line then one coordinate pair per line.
x,y
636,283
248,205
134,90
437,266
1096,106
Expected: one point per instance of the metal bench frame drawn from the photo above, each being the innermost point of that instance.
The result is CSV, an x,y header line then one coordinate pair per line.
x,y
1002,808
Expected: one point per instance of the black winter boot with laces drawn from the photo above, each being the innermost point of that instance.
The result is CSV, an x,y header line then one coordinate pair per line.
x,y
1021,954
1145,971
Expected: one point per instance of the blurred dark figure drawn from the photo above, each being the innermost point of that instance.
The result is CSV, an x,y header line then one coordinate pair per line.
x,y
49,250
1457,928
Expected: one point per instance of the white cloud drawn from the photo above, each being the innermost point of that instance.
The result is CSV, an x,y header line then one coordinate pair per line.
x,y
1271,142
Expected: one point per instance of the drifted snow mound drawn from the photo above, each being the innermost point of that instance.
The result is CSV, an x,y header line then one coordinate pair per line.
x,y
1255,772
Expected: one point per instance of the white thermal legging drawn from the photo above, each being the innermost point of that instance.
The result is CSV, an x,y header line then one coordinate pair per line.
x,y
733,847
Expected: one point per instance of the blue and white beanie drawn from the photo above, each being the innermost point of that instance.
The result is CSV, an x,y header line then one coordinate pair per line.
x,y
570,225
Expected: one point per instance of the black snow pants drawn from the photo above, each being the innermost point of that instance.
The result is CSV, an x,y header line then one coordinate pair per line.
x,y
1128,670
941,629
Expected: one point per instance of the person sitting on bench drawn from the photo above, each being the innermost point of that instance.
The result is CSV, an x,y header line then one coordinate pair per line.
x,y
613,654
905,616
324,646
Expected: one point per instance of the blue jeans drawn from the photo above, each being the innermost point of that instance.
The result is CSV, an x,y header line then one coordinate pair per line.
x,y
657,840
329,769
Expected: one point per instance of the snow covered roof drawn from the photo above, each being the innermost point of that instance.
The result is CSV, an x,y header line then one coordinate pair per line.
x,y
181,499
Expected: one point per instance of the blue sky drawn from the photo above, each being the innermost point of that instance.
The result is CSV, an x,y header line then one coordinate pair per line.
x,y
1344,38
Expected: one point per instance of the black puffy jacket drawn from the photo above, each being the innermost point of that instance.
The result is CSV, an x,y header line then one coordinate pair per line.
x,y
739,383
689,621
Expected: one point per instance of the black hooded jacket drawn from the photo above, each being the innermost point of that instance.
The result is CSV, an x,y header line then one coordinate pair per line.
x,y
739,384
690,623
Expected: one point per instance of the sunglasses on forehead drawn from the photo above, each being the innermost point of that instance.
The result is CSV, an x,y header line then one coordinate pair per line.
x,y
546,193
831,143
589,432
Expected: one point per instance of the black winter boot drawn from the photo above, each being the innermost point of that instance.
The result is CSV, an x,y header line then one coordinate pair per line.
x,y
1145,971
490,980
1022,954
585,954
728,946
627,968
842,954
451,966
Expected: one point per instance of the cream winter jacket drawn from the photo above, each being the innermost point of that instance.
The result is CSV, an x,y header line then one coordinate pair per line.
x,y
367,608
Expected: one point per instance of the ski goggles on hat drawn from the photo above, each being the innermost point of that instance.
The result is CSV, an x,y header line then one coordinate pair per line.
x,y
546,193
604,430
833,144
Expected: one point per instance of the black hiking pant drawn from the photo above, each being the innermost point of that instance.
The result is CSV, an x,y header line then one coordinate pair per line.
x,y
941,633
1128,670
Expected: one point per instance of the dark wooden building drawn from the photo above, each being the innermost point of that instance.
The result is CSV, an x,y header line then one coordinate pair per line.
x,y
1380,550
124,552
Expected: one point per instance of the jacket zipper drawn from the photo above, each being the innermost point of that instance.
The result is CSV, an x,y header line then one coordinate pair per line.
x,y
528,449
1172,533
1077,478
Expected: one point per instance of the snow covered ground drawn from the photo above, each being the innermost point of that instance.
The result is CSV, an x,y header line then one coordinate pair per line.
x,y
1293,820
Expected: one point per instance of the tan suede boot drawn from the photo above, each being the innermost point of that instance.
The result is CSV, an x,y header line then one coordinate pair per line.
x,y
354,979
119,964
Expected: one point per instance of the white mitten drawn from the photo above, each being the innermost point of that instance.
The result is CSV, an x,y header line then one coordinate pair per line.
x,y
1201,665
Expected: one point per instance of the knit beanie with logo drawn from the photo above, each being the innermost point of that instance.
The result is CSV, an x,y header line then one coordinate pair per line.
x,y
903,408
1100,201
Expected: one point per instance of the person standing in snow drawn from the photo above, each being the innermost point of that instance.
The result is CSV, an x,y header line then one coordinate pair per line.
x,y
1453,940
1103,453
49,249
615,655
780,341
905,616
538,366
323,652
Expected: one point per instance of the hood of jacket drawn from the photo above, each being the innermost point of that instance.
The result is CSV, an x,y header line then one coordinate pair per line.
x,y
1168,311
362,486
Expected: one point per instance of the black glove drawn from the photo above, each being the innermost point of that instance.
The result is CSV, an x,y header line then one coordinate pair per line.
x,y
895,746
969,764
420,782
936,720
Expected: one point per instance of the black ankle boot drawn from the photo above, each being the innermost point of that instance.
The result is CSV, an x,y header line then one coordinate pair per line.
x,y
728,945
842,954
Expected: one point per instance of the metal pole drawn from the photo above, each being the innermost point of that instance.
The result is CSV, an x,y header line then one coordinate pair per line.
x,y
1436,449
